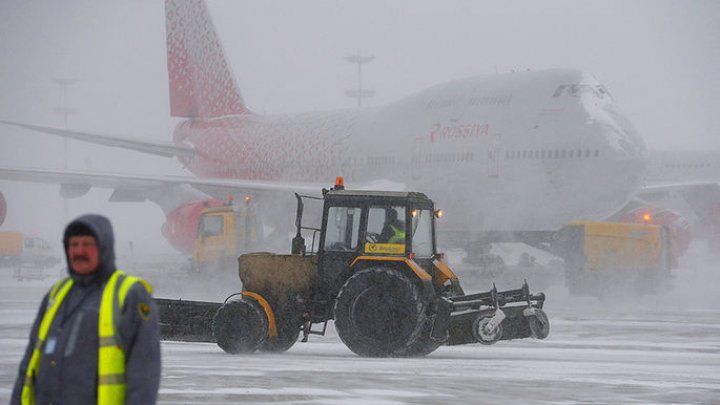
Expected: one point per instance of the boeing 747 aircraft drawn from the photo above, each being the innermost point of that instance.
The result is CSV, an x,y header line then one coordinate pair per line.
x,y
506,156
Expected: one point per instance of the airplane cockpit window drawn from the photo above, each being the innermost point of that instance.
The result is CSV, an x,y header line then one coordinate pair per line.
x,y
576,90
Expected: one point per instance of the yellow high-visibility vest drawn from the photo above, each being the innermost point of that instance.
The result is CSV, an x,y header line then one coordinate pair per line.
x,y
398,235
111,354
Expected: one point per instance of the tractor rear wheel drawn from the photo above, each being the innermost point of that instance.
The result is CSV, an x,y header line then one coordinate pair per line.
x,y
379,312
240,326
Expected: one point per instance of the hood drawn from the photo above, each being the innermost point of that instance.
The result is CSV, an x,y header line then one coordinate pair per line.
x,y
102,230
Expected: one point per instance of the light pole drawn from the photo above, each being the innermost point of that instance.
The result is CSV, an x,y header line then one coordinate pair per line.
x,y
359,93
65,111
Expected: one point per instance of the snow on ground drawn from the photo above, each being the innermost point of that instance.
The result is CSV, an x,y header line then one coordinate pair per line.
x,y
656,349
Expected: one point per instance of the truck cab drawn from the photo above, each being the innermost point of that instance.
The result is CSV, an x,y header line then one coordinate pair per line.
x,y
223,233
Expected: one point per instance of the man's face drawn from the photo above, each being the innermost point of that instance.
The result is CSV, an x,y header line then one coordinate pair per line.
x,y
83,254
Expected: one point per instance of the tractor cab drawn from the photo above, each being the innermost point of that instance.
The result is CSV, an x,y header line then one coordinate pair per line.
x,y
370,226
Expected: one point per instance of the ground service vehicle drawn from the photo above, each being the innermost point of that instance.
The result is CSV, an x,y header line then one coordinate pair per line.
x,y
26,254
376,273
602,258
223,233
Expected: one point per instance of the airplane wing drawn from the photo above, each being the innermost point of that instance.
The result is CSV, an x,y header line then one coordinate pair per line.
x,y
136,187
697,200
167,149
709,188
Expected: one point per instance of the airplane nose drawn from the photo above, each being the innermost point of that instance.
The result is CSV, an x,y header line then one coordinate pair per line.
x,y
623,136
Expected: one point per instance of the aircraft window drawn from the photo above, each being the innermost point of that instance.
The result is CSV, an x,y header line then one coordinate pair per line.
x,y
579,153
597,152
556,154
542,154
587,153
563,154
570,154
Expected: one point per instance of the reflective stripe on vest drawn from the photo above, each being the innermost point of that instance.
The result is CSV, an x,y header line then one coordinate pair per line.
x,y
111,354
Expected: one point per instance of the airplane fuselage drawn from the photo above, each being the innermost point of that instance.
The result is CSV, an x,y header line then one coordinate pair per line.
x,y
522,151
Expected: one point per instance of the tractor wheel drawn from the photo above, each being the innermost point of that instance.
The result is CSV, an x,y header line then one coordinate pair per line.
x,y
425,344
539,324
240,326
484,336
379,312
288,331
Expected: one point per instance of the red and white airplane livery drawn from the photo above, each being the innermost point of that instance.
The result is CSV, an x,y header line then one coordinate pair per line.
x,y
514,154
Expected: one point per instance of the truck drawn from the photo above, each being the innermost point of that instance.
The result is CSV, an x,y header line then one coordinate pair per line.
x,y
609,258
388,290
26,254
223,233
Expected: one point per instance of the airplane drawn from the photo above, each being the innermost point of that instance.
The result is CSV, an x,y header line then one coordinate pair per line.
x,y
509,156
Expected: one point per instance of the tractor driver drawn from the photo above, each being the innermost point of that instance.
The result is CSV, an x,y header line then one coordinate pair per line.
x,y
394,230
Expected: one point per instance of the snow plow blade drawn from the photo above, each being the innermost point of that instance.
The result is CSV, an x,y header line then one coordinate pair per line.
x,y
186,321
492,316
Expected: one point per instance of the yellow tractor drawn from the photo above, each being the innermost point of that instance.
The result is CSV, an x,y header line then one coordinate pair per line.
x,y
372,267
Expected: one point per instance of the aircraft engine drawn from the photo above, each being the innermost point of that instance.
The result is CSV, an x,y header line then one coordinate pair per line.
x,y
678,224
180,227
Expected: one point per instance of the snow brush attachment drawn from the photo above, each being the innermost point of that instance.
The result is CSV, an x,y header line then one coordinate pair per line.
x,y
494,315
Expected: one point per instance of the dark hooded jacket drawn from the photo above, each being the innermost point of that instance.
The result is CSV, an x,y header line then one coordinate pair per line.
x,y
68,373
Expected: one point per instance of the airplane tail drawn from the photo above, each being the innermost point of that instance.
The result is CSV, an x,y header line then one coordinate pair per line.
x,y
201,84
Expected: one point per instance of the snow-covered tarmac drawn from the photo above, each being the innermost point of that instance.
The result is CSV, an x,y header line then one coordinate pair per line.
x,y
658,350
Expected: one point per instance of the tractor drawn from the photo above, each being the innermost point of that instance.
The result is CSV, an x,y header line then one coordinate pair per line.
x,y
372,267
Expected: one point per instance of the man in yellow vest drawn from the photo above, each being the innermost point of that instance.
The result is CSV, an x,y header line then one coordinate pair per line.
x,y
95,339
394,229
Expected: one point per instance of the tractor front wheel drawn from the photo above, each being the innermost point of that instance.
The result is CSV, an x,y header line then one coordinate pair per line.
x,y
288,330
240,326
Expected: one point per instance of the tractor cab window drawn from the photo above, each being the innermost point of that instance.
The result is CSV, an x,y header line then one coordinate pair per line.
x,y
343,226
211,225
422,241
386,225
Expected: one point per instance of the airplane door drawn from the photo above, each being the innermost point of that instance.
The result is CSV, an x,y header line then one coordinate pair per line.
x,y
493,156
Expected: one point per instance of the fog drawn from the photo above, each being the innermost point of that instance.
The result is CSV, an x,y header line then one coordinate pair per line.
x,y
657,58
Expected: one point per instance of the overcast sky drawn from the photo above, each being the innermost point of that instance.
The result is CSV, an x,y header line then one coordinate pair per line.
x,y
657,58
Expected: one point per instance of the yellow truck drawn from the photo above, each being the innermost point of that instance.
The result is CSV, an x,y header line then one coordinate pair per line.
x,y
26,254
224,233
605,258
